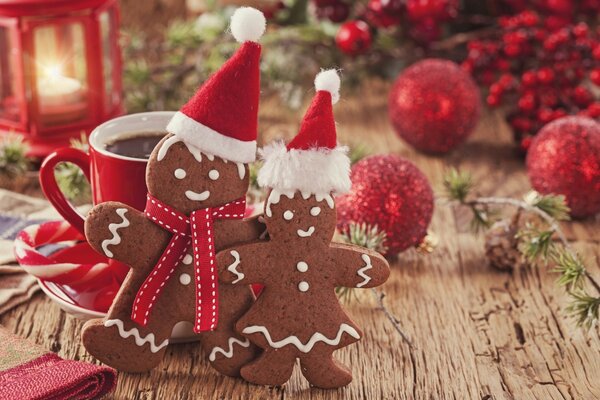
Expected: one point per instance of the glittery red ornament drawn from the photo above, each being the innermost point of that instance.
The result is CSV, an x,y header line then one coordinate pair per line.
x,y
434,105
390,192
564,158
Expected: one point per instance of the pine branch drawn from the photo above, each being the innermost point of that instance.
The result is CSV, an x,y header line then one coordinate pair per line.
x,y
536,243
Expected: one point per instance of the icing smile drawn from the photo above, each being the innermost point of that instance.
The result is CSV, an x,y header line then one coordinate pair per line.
x,y
197,196
306,233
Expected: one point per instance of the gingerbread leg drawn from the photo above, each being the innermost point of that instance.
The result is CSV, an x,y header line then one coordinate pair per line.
x,y
274,367
323,371
121,343
228,351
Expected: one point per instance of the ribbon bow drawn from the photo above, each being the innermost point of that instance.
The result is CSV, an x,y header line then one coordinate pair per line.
x,y
196,229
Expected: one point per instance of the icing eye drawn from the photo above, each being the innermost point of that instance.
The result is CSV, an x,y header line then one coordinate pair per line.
x,y
315,211
288,215
180,173
213,174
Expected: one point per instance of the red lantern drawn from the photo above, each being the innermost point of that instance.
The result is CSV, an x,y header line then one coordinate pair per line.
x,y
60,69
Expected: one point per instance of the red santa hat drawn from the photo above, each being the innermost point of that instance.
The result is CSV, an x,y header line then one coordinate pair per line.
x,y
312,162
221,118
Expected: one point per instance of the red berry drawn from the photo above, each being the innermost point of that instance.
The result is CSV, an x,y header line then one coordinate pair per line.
x,y
582,96
529,78
438,10
545,75
595,76
493,100
593,110
512,50
559,7
545,115
581,30
353,37
596,52
530,18
381,16
527,102
526,143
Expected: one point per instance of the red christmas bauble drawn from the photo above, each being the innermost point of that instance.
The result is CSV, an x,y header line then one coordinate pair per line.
x,y
354,37
434,105
392,193
564,158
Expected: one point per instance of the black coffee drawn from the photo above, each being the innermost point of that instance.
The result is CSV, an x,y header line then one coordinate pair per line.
x,y
136,145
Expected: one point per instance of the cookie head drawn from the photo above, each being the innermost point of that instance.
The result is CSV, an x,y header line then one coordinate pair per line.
x,y
295,217
182,176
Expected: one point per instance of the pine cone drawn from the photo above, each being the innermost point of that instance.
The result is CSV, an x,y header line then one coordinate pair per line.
x,y
501,246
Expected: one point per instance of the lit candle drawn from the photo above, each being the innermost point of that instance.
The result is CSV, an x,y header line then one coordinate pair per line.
x,y
56,90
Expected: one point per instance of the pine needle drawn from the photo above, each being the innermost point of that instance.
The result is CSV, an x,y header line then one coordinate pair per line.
x,y
457,184
13,156
584,308
571,269
553,205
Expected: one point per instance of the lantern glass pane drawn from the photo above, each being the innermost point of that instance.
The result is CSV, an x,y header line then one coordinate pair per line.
x,y
107,29
9,99
61,72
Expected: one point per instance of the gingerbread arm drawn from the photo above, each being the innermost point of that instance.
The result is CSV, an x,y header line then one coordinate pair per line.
x,y
123,233
247,230
358,267
244,264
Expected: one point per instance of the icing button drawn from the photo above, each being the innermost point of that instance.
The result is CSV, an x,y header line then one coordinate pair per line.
x,y
302,266
187,260
303,286
185,279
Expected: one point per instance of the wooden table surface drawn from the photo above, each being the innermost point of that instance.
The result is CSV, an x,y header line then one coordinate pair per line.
x,y
477,333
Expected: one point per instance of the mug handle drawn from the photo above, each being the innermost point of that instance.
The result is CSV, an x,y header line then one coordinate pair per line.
x,y
50,186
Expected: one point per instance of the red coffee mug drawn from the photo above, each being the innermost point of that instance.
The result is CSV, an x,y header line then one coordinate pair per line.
x,y
113,177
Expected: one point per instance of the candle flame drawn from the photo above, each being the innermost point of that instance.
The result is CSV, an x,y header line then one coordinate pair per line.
x,y
53,71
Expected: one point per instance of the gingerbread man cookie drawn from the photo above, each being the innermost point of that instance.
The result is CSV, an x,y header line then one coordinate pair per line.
x,y
197,179
298,314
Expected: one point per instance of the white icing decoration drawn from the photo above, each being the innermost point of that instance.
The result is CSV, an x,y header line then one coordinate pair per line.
x,y
303,286
233,267
306,233
213,174
113,228
229,352
210,156
149,338
162,152
187,260
241,170
293,340
327,197
361,272
197,196
315,211
179,173
302,266
185,279
306,195
274,198
288,215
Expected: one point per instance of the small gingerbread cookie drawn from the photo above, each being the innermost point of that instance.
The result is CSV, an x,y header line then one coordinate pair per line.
x,y
298,314
197,179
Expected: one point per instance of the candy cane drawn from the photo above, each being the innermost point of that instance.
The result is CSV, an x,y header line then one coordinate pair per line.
x,y
46,267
